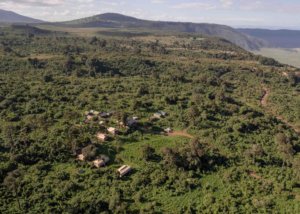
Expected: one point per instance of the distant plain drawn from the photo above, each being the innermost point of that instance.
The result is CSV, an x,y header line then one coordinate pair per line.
x,y
290,56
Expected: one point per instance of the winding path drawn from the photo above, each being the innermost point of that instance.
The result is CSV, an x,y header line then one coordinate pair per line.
x,y
264,99
264,103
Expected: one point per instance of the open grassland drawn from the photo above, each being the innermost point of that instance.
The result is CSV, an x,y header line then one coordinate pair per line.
x,y
109,32
286,56
84,32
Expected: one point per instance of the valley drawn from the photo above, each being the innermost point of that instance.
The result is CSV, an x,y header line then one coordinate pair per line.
x,y
221,142
114,114
285,56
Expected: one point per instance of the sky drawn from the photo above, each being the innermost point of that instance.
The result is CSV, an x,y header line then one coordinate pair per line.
x,y
275,14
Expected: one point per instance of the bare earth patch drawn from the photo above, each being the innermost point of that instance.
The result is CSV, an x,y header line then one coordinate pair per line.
x,y
182,133
254,175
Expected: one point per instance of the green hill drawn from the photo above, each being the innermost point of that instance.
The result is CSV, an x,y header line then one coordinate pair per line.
x,y
12,17
112,20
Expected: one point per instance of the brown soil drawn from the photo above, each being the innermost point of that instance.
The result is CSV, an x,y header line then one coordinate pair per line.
x,y
264,99
254,175
182,133
285,74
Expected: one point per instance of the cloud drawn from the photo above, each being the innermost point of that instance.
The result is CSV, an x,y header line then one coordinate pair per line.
x,y
231,12
158,1
36,2
268,6
226,3
194,5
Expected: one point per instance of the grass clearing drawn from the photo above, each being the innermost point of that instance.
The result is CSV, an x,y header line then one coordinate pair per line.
x,y
132,151
287,56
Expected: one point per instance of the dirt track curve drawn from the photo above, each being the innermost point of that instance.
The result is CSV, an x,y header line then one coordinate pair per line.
x,y
264,103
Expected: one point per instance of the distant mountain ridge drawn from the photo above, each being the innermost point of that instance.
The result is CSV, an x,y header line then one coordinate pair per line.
x,y
114,20
250,39
276,38
12,17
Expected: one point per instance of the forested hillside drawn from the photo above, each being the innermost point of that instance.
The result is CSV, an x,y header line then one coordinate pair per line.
x,y
119,21
205,126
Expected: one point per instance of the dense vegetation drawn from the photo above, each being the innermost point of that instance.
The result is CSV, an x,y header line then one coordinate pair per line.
x,y
242,157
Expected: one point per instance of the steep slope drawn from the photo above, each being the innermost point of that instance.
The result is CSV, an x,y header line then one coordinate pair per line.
x,y
276,38
12,17
113,20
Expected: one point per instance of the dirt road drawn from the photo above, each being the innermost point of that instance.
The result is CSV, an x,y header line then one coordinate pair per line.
x,y
264,99
264,103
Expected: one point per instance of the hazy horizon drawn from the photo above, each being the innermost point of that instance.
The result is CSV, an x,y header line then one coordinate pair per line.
x,y
235,13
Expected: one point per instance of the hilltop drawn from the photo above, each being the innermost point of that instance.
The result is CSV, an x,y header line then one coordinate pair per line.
x,y
249,39
12,17
114,20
